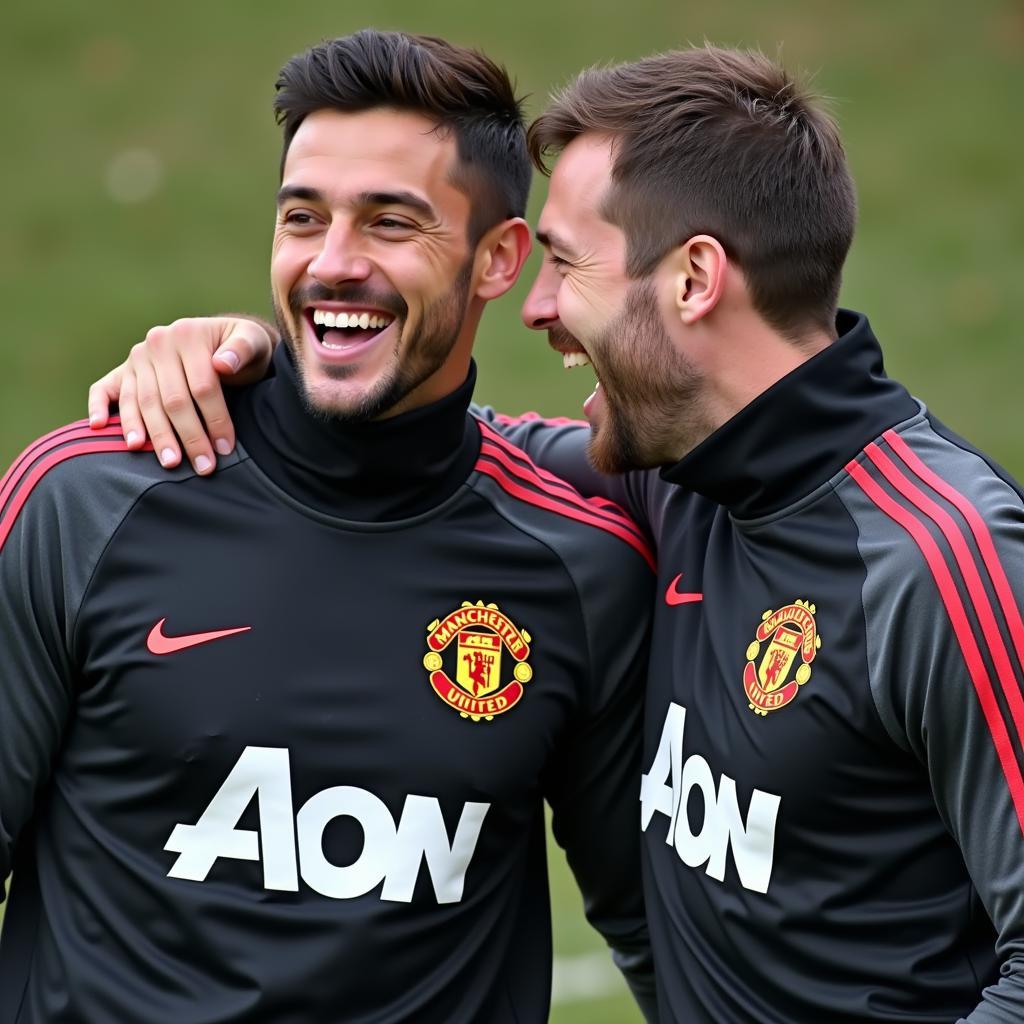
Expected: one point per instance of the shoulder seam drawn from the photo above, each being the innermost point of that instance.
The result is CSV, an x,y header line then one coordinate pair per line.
x,y
898,740
554,495
45,455
73,635
558,557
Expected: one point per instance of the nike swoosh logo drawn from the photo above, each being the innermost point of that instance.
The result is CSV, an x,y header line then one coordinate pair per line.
x,y
674,597
157,643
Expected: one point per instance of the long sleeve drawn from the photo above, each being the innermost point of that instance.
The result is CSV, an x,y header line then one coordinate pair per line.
x,y
943,596
36,686
57,514
594,782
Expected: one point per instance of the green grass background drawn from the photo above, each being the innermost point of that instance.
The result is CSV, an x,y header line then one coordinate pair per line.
x,y
928,94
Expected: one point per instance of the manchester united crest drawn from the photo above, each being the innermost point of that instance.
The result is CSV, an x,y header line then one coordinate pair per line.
x,y
472,641
791,635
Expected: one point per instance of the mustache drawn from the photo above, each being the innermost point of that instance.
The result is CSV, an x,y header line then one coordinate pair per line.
x,y
559,336
354,294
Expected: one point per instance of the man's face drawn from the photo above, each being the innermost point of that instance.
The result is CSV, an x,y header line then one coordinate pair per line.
x,y
648,399
371,265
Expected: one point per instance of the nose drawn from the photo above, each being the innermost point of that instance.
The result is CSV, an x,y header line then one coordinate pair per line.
x,y
339,258
540,309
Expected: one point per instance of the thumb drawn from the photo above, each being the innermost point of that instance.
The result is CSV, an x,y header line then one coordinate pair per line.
x,y
227,360
245,353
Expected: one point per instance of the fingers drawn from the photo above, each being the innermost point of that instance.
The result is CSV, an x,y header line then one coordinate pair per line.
x,y
208,393
102,394
177,414
132,426
169,388
143,389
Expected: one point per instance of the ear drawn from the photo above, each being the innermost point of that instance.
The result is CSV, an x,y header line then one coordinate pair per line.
x,y
500,256
699,269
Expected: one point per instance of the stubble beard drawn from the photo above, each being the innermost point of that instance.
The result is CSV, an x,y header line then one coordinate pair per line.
x,y
426,348
654,396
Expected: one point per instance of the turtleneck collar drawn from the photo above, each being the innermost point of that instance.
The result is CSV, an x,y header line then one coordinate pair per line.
x,y
375,471
801,431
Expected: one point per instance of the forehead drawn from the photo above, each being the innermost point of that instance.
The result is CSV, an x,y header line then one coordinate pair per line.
x,y
371,151
579,183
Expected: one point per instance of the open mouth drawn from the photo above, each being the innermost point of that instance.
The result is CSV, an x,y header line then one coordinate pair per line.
x,y
346,329
570,360
574,354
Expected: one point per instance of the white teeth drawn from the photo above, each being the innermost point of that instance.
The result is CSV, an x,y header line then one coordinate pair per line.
x,y
571,359
362,321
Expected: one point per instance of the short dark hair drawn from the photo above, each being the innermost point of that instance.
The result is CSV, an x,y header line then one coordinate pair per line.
x,y
724,143
462,90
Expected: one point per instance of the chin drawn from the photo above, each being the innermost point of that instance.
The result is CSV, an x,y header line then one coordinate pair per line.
x,y
606,453
617,448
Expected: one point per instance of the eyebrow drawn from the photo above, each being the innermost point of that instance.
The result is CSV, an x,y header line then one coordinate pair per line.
x,y
550,240
286,192
409,199
400,198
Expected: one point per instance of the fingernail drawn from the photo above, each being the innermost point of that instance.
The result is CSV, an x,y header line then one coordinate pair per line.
x,y
133,437
230,358
223,446
167,455
94,421
203,464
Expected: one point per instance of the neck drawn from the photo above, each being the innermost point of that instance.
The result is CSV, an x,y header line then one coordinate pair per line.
x,y
742,358
452,373
370,471
798,432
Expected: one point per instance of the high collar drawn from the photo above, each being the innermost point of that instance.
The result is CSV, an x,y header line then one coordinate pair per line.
x,y
374,471
801,431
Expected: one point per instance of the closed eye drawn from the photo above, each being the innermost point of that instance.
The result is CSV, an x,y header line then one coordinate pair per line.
x,y
392,226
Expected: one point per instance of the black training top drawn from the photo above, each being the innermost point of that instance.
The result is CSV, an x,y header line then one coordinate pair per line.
x,y
274,744
833,800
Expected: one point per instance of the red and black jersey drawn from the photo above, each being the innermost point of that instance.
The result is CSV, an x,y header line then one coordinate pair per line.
x,y
274,745
832,800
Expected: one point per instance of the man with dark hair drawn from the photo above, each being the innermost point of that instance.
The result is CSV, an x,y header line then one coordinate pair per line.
x,y
833,801
275,747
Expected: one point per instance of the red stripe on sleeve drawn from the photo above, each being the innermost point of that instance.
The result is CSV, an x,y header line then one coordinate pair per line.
x,y
524,459
961,629
968,567
495,472
559,489
535,417
72,432
982,536
42,467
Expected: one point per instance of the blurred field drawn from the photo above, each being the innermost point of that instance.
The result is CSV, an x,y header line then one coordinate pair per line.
x,y
140,165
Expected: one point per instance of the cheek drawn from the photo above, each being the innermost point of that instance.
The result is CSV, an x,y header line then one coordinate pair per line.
x,y
581,307
287,264
604,288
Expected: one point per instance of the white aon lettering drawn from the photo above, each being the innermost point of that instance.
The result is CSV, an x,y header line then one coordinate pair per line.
x,y
391,853
666,788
